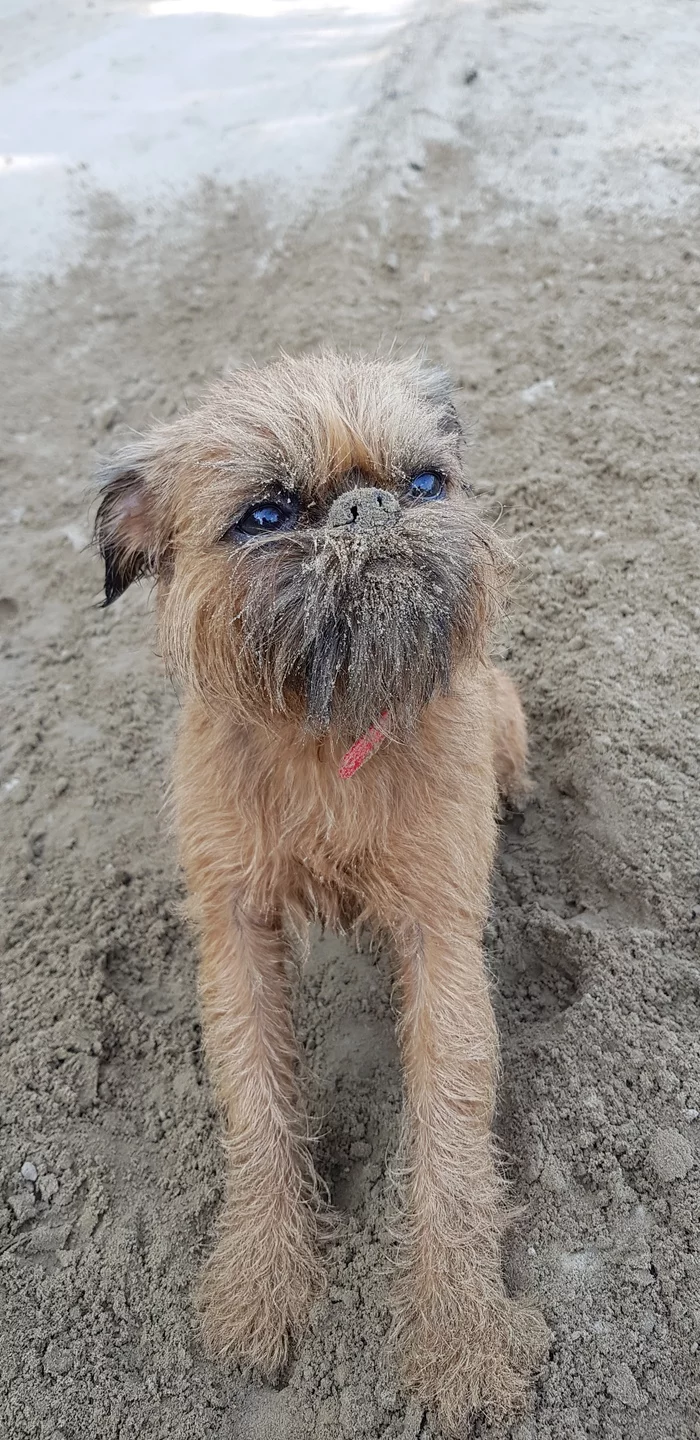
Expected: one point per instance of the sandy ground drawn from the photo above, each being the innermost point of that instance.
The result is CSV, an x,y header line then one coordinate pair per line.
x,y
536,225
125,104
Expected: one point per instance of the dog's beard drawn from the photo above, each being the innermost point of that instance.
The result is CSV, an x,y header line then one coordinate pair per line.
x,y
353,627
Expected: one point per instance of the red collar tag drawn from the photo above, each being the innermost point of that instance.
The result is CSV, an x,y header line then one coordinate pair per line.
x,y
364,747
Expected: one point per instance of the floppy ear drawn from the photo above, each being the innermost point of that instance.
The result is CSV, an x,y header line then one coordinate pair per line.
x,y
126,529
436,386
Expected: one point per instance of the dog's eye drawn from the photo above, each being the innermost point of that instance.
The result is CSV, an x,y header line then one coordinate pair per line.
x,y
426,486
267,516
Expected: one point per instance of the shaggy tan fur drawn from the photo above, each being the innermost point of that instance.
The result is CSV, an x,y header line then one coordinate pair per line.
x,y
270,835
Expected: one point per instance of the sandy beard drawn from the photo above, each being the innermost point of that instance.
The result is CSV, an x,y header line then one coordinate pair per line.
x,y
354,627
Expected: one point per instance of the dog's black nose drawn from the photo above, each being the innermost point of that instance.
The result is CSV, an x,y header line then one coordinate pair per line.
x,y
365,508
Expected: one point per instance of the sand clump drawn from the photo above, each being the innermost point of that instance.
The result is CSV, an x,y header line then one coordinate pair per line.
x,y
670,1155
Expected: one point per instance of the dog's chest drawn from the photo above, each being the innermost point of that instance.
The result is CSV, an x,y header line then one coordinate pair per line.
x,y
330,834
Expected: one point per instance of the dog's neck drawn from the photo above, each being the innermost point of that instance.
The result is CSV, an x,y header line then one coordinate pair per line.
x,y
365,747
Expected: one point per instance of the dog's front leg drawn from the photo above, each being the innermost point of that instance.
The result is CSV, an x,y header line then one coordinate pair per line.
x,y
462,1344
258,1285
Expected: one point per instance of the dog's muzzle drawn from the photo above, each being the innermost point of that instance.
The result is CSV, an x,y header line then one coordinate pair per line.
x,y
365,509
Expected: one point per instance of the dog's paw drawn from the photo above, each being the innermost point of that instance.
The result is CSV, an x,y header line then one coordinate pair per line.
x,y
254,1301
464,1355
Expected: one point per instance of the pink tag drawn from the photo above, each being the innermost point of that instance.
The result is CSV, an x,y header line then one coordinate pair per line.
x,y
364,747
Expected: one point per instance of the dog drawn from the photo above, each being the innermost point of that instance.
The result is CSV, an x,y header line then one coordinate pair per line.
x,y
326,593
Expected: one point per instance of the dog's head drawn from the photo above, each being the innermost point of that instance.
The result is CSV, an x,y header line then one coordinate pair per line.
x,y
315,544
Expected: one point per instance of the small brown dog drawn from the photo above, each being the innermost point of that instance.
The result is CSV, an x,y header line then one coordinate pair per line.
x,y
325,597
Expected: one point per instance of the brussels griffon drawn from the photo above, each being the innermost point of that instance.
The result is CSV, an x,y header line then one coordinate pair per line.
x,y
326,592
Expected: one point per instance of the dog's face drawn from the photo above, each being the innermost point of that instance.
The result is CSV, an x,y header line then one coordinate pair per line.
x,y
315,545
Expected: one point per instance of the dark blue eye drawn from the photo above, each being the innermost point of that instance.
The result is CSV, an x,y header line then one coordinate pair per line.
x,y
268,516
426,486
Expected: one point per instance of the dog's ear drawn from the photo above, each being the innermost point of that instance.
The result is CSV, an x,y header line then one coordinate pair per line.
x,y
435,385
126,524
